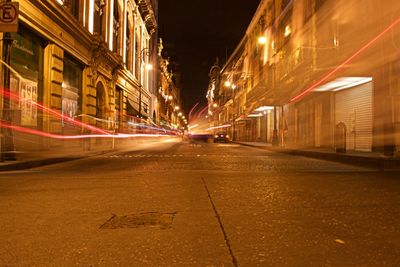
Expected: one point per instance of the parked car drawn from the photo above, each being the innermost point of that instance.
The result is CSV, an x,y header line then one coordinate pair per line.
x,y
221,137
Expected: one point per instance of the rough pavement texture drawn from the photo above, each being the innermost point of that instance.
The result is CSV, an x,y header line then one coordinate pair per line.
x,y
231,205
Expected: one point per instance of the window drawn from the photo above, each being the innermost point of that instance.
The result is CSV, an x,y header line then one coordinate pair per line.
x,y
319,4
307,10
118,107
98,16
72,87
116,27
137,53
72,6
27,60
128,45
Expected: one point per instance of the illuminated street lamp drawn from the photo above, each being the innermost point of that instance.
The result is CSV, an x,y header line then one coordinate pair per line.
x,y
262,40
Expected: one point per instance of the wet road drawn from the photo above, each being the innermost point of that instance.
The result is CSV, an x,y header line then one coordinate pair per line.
x,y
197,204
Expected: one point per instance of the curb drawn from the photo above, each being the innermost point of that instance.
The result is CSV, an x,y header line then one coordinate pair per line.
x,y
380,163
29,164
34,163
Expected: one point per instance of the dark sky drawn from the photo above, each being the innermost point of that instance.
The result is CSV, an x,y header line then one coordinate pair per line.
x,y
195,32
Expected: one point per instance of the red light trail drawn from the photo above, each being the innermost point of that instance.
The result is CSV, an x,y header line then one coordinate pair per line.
x,y
339,67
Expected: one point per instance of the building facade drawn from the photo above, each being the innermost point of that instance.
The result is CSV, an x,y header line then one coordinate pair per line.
x,y
170,112
318,74
83,61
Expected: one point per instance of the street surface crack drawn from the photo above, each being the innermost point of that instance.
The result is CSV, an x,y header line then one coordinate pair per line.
x,y
234,261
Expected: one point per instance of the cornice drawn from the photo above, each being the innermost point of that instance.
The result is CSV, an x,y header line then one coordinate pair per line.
x,y
61,17
147,12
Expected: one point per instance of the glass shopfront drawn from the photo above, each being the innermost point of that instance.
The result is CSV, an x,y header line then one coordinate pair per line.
x,y
72,88
26,82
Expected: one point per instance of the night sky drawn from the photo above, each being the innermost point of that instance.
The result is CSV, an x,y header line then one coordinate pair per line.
x,y
195,32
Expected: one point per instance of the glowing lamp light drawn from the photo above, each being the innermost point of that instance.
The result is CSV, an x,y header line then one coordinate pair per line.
x,y
215,105
176,108
262,40
288,30
149,67
170,97
264,108
228,84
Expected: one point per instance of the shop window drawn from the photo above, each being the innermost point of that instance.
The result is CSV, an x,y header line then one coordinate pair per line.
x,y
72,88
118,107
27,61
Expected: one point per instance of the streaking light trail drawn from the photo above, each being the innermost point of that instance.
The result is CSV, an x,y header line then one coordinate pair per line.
x,y
339,67
218,127
70,137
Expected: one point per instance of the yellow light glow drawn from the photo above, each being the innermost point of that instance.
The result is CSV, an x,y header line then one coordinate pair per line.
x,y
149,67
288,30
215,105
262,40
228,84
91,14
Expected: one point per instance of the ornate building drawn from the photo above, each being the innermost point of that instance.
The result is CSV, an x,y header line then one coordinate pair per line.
x,y
83,60
170,113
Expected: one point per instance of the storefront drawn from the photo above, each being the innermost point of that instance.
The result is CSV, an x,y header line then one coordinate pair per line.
x,y
353,108
26,81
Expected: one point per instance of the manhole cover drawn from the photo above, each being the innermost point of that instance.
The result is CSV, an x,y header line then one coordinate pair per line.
x,y
148,219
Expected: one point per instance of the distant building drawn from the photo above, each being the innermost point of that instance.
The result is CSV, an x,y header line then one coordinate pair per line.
x,y
169,93
316,74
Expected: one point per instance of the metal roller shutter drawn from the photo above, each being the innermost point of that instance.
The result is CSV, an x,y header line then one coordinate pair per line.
x,y
354,108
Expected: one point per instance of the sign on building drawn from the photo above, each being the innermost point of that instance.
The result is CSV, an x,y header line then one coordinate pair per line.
x,y
9,16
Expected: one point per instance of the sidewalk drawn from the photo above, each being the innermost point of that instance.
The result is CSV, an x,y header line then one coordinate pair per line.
x,y
27,160
364,159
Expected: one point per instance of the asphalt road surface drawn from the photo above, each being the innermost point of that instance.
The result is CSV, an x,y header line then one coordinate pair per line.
x,y
176,203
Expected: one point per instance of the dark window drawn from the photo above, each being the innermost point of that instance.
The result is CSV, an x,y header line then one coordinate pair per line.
x,y
72,6
128,46
99,7
319,4
116,27
137,61
308,10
